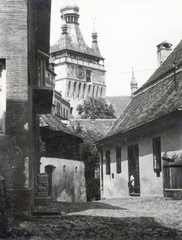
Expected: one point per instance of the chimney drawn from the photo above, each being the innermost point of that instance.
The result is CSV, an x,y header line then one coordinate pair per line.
x,y
163,51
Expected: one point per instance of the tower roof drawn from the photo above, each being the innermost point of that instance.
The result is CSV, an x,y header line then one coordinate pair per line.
x,y
74,41
95,46
69,5
71,39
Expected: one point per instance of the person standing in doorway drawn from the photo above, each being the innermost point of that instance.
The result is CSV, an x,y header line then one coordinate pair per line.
x,y
132,182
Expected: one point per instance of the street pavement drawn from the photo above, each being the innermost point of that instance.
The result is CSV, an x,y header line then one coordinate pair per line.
x,y
127,218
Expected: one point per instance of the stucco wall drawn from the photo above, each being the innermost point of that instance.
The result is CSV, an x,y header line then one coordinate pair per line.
x,y
150,184
68,180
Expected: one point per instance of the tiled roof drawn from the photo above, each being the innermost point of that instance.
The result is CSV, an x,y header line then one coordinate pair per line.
x,y
156,98
55,124
119,103
74,41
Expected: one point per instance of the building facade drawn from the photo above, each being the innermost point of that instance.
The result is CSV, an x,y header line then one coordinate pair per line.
x,y
24,55
80,69
60,106
61,160
142,153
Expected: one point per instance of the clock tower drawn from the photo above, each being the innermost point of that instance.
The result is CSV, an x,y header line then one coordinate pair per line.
x,y
80,69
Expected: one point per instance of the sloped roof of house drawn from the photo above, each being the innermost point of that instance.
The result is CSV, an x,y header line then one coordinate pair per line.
x,y
168,65
55,124
119,103
158,97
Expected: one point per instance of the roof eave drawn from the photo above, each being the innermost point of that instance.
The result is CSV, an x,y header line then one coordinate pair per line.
x,y
129,133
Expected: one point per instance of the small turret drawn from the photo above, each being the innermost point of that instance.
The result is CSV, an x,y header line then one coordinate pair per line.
x,y
95,46
69,12
133,83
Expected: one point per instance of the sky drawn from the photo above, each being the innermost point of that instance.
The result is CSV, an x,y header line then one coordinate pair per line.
x,y
128,33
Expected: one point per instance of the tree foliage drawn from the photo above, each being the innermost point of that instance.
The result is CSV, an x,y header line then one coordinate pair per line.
x,y
89,154
95,108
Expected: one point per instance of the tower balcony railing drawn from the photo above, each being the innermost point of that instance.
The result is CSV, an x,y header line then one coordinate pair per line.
x,y
80,62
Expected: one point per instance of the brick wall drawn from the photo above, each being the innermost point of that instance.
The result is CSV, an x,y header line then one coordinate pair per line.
x,y
14,140
19,20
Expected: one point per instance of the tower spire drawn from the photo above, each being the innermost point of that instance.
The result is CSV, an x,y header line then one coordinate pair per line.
x,y
95,46
133,83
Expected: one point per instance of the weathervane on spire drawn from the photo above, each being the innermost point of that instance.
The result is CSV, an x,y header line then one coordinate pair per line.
x,y
133,83
94,25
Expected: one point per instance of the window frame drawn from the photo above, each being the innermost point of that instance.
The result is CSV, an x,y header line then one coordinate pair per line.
x,y
88,75
108,162
157,163
118,160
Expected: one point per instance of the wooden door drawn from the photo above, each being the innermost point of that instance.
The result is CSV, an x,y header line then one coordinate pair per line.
x,y
133,170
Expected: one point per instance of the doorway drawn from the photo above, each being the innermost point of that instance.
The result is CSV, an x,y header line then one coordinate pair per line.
x,y
49,170
133,170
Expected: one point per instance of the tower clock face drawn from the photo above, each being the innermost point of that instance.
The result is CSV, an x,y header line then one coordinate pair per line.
x,y
80,72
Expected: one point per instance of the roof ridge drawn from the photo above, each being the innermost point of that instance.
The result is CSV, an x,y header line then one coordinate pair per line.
x,y
166,67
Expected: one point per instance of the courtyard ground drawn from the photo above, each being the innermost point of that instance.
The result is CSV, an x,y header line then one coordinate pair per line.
x,y
129,218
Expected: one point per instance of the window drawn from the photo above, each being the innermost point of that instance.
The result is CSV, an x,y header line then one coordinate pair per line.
x,y
48,75
108,170
68,92
93,91
101,92
157,155
118,159
79,89
88,95
88,75
41,65
58,108
101,165
97,92
74,89
2,93
83,93
71,110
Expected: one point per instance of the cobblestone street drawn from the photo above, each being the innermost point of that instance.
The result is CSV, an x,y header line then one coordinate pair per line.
x,y
131,218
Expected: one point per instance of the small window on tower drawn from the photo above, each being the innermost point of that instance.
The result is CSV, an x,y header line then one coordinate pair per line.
x,y
88,76
71,110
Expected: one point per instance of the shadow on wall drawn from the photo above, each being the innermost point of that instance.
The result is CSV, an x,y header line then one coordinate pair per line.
x,y
67,185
